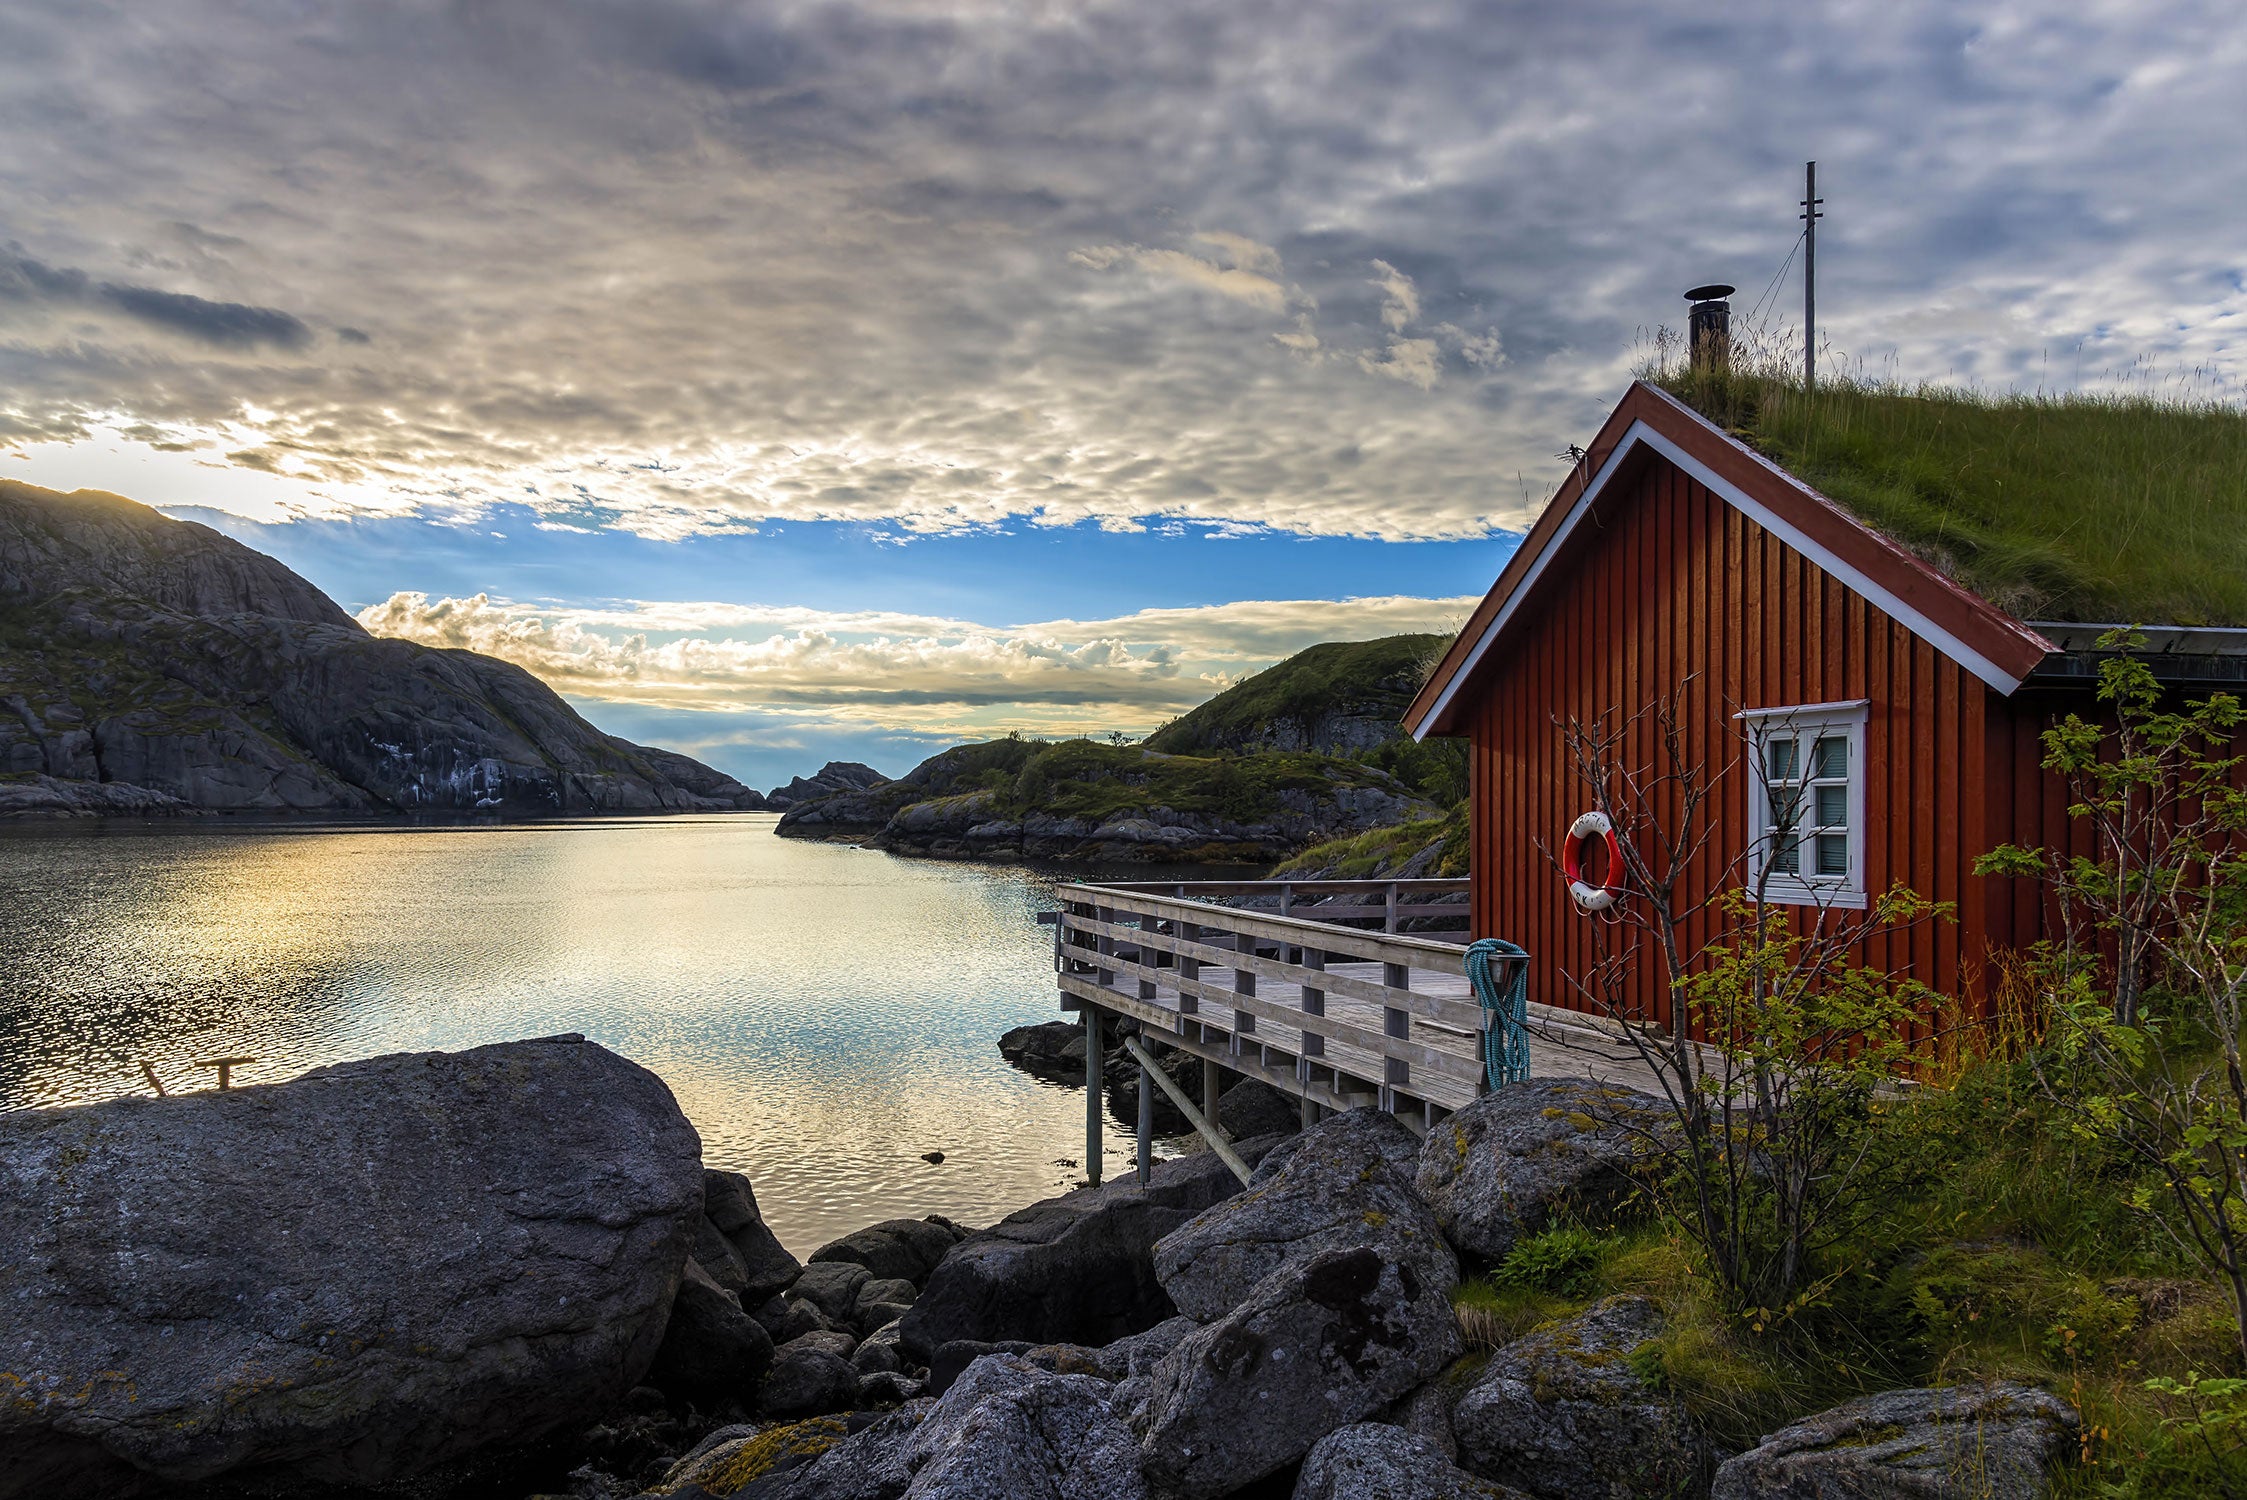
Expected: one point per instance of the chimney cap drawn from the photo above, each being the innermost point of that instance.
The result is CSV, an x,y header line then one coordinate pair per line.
x,y
1709,293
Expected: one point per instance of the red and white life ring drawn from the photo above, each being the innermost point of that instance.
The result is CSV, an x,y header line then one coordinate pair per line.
x,y
1591,897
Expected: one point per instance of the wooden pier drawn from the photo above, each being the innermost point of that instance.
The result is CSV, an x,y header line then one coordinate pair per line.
x,y
1318,988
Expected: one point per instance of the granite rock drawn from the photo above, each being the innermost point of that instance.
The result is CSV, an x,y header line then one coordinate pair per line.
x,y
1344,1182
1563,1415
1998,1441
518,1223
1370,1461
1494,1171
1326,1340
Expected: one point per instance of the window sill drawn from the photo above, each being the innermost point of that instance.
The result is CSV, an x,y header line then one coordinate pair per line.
x,y
1788,893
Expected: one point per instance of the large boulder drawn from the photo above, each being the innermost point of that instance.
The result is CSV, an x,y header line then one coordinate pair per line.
x,y
832,1286
881,1303
1370,1461
1563,1415
731,1207
857,1455
1326,1340
1004,1431
361,1272
1048,1049
1345,1181
894,1250
808,1377
1252,1107
1077,1269
1494,1170
1979,1442
1007,1430
710,1346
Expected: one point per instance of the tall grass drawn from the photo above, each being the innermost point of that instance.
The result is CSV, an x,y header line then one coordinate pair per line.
x,y
2125,507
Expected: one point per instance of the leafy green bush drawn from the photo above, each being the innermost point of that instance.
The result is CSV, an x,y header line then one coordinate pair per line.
x,y
1563,1260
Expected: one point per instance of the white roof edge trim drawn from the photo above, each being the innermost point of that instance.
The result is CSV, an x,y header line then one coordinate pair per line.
x,y
1827,710
1638,432
1919,625
1536,568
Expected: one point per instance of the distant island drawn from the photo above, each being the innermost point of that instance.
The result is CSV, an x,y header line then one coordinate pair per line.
x,y
1284,764
152,666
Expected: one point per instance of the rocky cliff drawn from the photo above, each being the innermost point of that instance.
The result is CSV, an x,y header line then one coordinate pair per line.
x,y
152,665
835,776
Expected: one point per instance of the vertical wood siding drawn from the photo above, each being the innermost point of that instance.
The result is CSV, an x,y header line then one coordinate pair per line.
x,y
1671,591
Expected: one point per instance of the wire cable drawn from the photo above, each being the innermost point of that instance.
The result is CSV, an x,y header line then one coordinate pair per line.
x,y
1776,277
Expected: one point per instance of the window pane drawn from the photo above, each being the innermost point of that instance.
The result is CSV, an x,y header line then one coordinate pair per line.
x,y
1786,858
1833,854
1786,807
1833,806
1830,757
1782,760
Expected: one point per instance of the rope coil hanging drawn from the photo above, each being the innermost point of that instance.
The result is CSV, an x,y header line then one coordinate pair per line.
x,y
1505,1031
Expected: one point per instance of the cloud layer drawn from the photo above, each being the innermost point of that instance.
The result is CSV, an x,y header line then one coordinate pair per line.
x,y
1330,266
928,676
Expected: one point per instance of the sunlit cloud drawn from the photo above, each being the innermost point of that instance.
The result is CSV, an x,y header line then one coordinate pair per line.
x,y
916,673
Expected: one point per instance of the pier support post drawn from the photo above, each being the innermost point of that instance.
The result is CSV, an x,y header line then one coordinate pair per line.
x,y
1146,1136
1212,1086
1094,1066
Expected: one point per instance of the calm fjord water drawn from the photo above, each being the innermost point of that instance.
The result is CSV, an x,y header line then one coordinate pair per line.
x,y
825,1014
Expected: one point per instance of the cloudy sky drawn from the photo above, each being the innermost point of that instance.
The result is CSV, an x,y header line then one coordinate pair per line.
x,y
791,380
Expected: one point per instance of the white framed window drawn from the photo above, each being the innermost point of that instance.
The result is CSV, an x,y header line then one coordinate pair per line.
x,y
1806,804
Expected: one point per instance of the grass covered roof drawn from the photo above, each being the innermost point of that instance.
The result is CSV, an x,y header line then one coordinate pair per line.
x,y
2131,509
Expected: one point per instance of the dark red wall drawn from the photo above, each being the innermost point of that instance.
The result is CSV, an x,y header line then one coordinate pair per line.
x,y
1667,589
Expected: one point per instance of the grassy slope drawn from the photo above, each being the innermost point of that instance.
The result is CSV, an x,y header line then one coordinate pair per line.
x,y
1368,679
2005,1247
2073,508
1379,854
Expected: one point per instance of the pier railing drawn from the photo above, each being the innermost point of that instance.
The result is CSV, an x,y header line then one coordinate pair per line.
x,y
1430,908
1334,1014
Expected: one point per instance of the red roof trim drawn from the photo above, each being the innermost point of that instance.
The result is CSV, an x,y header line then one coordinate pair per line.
x,y
1649,423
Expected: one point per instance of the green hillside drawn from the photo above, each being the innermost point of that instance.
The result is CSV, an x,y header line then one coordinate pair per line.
x,y
1337,697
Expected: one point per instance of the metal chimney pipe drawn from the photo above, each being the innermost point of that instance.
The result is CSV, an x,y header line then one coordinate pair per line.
x,y
1709,327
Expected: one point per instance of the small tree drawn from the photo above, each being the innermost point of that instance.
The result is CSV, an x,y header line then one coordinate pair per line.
x,y
1781,1039
2148,978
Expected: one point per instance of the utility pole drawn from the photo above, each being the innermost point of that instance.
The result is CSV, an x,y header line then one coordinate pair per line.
x,y
1810,218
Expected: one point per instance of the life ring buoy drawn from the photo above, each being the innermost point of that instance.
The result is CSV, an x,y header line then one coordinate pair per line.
x,y
1589,897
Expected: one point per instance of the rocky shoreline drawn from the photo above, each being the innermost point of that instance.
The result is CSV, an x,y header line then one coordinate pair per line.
x,y
506,1273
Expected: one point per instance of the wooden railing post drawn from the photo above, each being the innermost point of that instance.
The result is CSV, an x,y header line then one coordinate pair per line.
x,y
1189,968
1146,1132
1094,1068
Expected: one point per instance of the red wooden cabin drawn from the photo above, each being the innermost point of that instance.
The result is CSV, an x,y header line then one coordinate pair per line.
x,y
1677,561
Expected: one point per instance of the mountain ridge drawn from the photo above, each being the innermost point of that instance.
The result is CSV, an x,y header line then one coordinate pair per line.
x,y
152,665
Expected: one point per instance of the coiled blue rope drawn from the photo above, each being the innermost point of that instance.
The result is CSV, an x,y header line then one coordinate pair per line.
x,y
1505,1028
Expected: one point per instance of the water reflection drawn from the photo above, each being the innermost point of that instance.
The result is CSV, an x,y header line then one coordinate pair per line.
x,y
825,1014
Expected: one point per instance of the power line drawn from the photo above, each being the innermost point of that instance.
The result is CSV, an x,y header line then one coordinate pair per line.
x,y
1757,311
